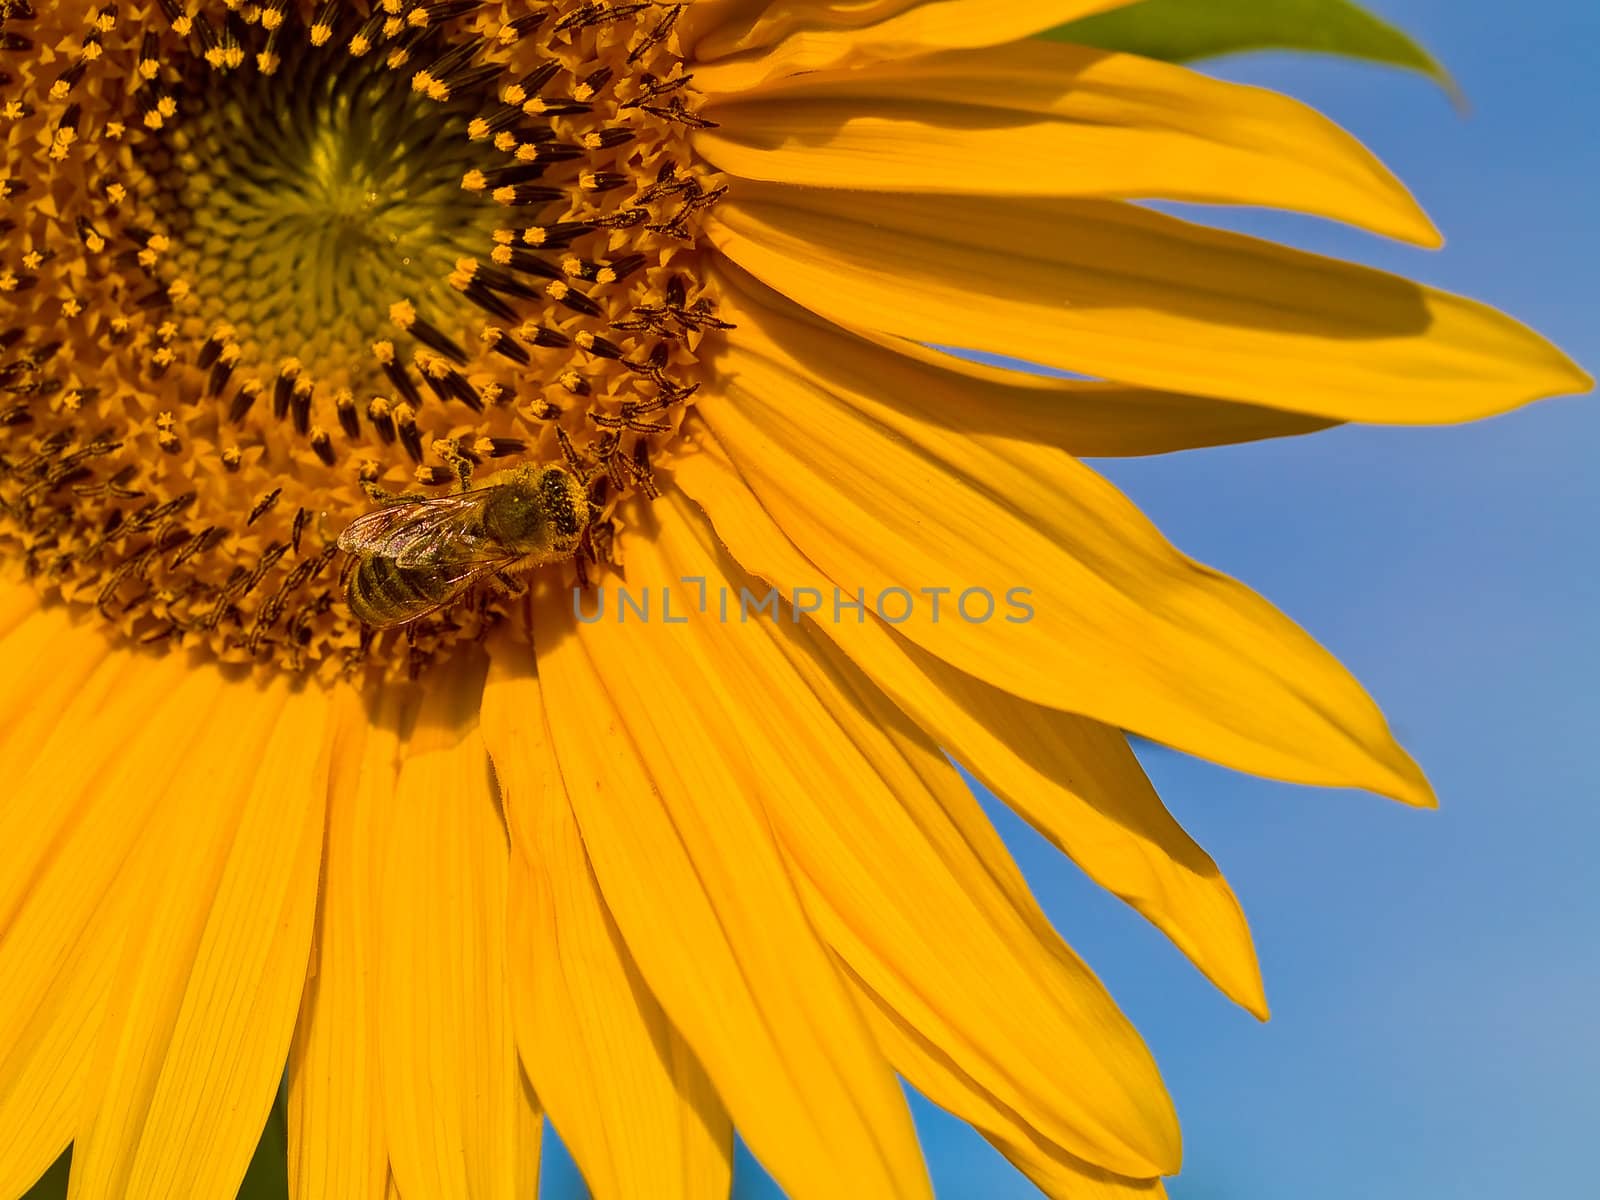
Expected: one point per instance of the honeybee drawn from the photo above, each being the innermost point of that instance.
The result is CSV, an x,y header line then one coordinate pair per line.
x,y
417,555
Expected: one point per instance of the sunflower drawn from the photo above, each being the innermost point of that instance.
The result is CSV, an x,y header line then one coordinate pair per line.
x,y
647,822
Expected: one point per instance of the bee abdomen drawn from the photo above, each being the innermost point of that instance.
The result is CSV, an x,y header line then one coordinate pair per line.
x,y
382,593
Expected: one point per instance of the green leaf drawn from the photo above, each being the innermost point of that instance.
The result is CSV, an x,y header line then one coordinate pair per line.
x,y
1181,30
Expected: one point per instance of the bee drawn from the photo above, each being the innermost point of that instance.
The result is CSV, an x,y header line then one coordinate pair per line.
x,y
414,556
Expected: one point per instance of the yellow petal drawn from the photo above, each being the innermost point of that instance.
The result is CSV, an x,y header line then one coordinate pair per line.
x,y
621,1087
1075,780
68,842
46,657
776,41
337,1149
1093,612
1111,290
17,602
462,1123
882,889
689,871
895,884
71,735
46,1053
1087,419
72,818
1037,118
200,1019
245,986
1056,1173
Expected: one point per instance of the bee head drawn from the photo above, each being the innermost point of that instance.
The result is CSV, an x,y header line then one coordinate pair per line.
x,y
566,504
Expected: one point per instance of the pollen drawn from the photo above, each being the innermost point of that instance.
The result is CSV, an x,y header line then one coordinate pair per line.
x,y
259,278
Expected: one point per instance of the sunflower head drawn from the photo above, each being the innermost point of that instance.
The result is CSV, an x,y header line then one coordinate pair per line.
x,y
271,265
310,303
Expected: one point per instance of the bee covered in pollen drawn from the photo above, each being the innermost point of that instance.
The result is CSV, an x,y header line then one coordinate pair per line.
x,y
414,556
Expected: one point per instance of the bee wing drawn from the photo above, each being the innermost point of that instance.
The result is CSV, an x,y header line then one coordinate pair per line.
x,y
457,576
371,533
423,533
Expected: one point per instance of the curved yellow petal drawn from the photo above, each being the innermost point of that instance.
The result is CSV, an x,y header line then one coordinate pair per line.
x,y
894,883
87,705
767,42
225,1058
1080,604
337,1148
17,602
74,815
58,867
946,817
1038,118
461,1121
621,1087
1073,779
933,1073
1108,289
200,1018
66,900
46,657
698,889
47,1051
1086,419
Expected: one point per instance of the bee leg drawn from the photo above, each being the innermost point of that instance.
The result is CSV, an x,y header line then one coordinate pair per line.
x,y
586,548
638,466
599,541
459,460
483,617
510,584
381,496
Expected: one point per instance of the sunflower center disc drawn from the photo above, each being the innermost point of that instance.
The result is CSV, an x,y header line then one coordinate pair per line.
x,y
291,217
280,263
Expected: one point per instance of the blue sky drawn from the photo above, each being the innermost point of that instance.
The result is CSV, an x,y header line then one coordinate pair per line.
x,y
1433,976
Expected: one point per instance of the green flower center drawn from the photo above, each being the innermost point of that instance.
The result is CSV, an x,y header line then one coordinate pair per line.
x,y
294,200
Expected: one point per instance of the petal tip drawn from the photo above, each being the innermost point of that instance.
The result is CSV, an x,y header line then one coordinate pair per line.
x,y
1577,382
1410,222
1413,790
1428,235
1255,1003
1561,374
